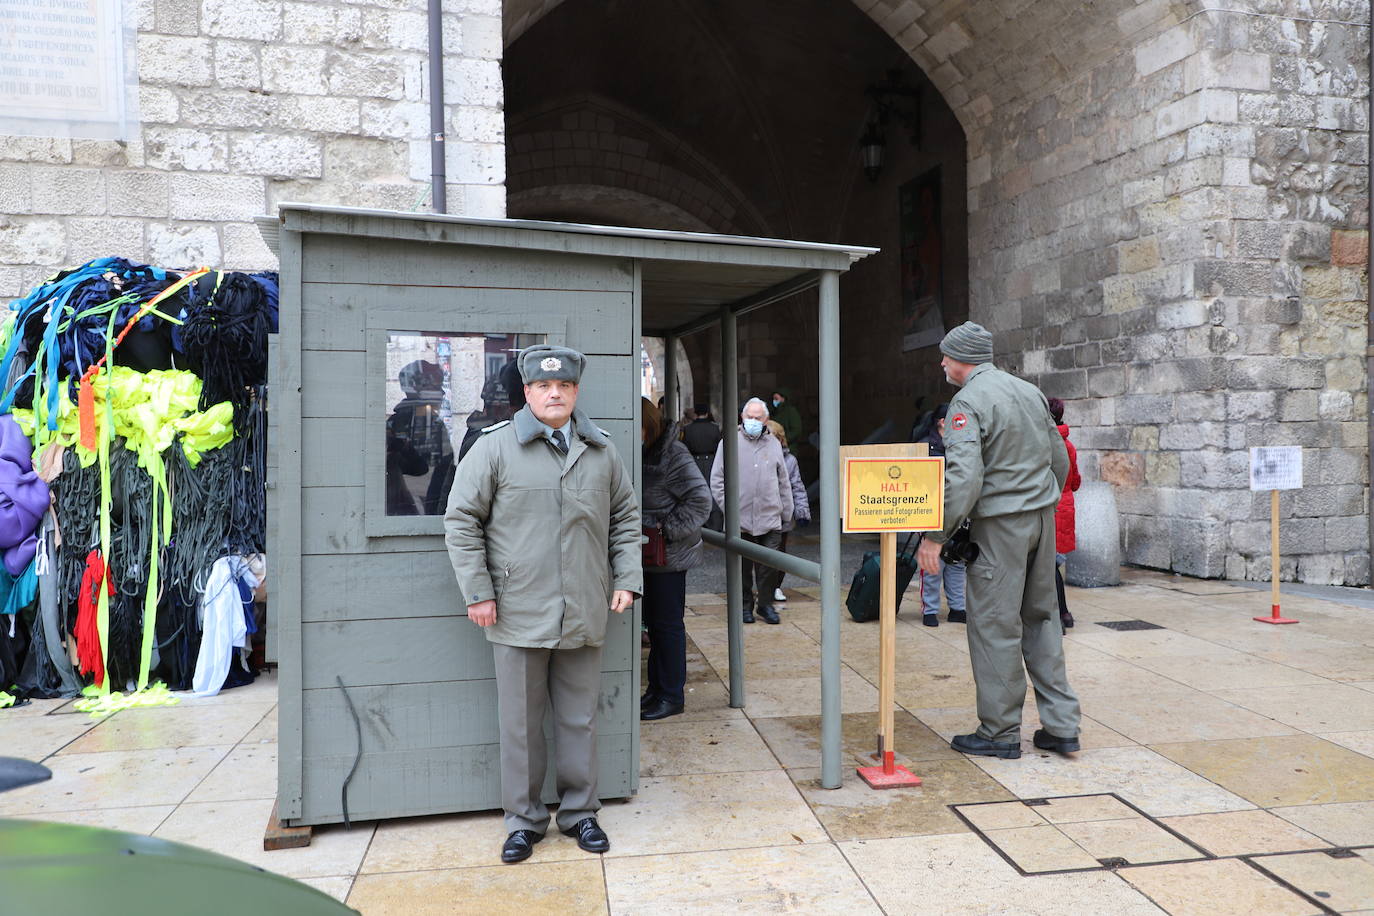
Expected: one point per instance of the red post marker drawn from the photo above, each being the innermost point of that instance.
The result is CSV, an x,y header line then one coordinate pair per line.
x,y
889,775
1275,617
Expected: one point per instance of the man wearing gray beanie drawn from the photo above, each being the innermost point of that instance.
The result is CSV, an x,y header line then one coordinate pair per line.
x,y
1005,466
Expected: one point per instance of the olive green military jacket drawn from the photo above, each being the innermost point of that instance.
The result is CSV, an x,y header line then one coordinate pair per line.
x,y
1003,453
549,536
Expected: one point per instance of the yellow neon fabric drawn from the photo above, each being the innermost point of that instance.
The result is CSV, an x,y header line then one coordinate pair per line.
x,y
149,409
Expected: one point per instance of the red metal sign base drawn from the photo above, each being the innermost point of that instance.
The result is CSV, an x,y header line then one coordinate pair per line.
x,y
889,775
1275,617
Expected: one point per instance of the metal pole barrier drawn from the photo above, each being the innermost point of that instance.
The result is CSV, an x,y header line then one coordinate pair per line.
x,y
671,410
831,724
729,370
438,167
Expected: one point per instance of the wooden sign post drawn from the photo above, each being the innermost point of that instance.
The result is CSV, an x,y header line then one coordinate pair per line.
x,y
1275,469
887,489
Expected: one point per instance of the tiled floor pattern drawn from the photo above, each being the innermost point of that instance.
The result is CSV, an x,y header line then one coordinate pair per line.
x,y
1227,767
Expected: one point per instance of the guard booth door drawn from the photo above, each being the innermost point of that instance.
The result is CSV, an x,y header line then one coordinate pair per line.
x,y
389,355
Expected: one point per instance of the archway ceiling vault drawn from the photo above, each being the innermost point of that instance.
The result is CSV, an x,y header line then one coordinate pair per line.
x,y
986,56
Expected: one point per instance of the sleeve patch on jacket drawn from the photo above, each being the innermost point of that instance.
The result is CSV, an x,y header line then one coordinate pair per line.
x,y
959,422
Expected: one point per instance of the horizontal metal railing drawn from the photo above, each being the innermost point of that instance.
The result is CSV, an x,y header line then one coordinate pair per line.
x,y
793,566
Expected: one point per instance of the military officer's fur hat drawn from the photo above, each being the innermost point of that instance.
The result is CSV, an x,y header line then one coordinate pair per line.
x,y
547,362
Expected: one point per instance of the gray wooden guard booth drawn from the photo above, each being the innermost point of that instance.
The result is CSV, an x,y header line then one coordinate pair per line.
x,y
366,598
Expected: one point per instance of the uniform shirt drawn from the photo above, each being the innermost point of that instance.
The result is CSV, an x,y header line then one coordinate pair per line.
x,y
1003,452
567,430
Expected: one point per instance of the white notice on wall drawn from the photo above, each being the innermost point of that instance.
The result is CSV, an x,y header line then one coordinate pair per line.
x,y
67,69
1276,468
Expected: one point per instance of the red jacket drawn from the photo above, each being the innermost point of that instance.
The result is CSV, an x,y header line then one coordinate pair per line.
x,y
1064,541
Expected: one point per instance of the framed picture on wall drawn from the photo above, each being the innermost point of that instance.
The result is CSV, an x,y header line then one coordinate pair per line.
x,y
923,322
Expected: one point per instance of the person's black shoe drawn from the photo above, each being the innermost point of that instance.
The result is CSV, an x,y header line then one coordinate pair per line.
x,y
1067,620
1047,742
648,699
659,708
957,617
974,744
769,614
748,614
519,846
931,620
590,837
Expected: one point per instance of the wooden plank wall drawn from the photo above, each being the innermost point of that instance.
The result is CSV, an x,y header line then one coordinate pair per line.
x,y
384,613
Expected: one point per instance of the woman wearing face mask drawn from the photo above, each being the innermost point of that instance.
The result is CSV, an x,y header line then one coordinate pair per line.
x,y
676,503
801,505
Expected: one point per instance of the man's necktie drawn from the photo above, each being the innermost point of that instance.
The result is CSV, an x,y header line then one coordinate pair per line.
x,y
559,442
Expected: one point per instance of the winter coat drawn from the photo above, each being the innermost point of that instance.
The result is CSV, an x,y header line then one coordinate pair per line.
x,y
1064,538
1002,452
675,500
801,506
765,492
23,497
788,417
935,441
701,437
548,536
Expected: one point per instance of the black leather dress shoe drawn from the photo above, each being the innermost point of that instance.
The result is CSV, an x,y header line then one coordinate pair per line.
x,y
519,846
1047,742
659,708
748,614
769,614
647,699
957,617
590,836
974,744
1066,619
931,620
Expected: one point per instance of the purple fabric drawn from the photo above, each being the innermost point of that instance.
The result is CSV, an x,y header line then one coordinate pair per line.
x,y
24,497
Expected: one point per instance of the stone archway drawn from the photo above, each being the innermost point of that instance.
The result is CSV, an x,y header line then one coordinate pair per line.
x,y
1165,227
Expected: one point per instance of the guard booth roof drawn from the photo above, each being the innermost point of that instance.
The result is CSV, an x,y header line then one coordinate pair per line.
x,y
686,277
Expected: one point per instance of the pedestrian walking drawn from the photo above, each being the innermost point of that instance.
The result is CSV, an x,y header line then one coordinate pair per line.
x,y
1005,469
801,504
765,503
951,575
1065,536
544,534
787,414
701,437
676,503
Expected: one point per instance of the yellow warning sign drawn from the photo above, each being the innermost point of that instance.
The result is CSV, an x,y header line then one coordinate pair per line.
x,y
894,494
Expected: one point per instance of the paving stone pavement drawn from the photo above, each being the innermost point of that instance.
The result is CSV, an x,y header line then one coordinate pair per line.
x,y
1227,768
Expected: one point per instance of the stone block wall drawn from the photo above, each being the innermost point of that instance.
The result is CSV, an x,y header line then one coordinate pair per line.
x,y
246,103
1168,229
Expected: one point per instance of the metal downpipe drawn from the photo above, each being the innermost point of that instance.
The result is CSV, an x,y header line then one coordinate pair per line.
x,y
729,365
1369,315
832,726
437,167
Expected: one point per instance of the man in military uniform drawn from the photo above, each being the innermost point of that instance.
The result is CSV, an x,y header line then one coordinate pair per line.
x,y
543,531
1005,468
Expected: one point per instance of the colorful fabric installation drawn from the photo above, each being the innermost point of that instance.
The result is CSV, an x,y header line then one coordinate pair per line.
x,y
133,415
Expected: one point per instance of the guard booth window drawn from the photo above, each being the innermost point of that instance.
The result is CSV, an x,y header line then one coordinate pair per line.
x,y
442,389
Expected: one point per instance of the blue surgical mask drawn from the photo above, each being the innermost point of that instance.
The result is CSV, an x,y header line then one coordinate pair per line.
x,y
753,428
777,402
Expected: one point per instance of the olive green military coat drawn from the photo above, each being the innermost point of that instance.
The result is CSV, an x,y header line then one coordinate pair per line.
x,y
1003,451
549,536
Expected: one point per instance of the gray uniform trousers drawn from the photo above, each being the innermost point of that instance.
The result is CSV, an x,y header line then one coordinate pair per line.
x,y
1013,615
528,681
